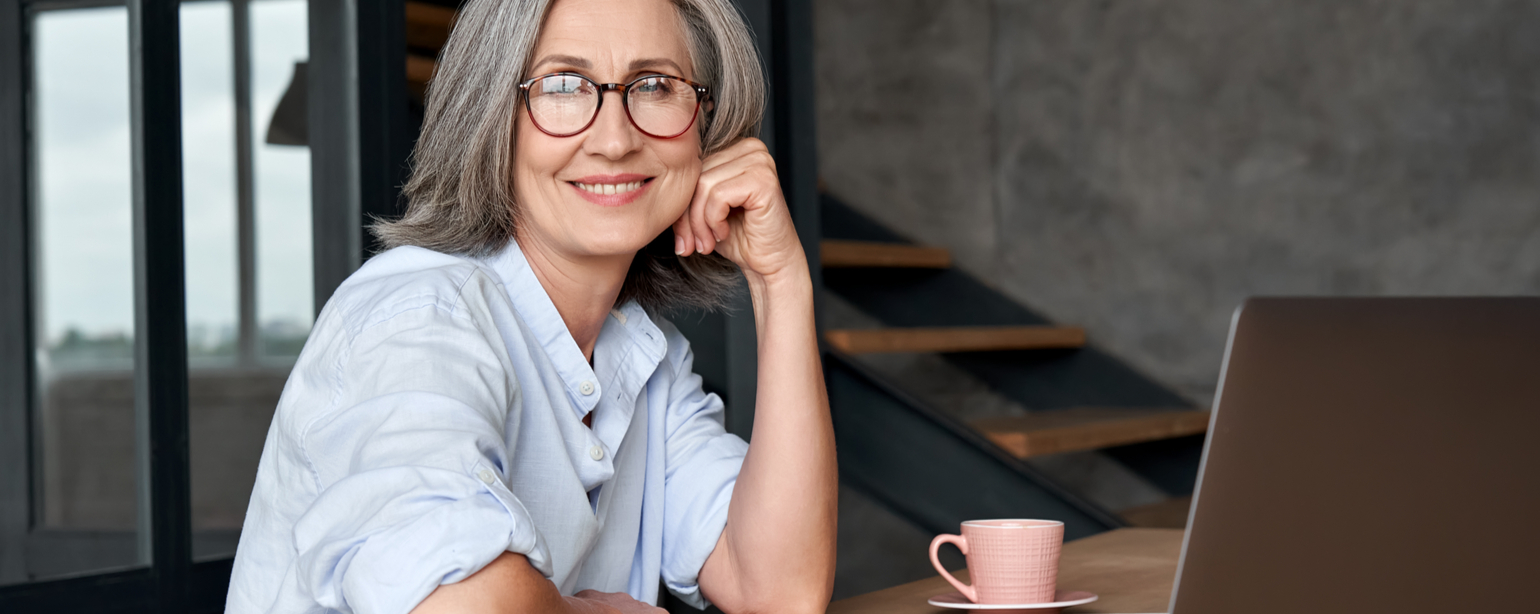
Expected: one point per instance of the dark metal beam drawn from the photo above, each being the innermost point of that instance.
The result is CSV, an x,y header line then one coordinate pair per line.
x,y
122,591
783,33
935,471
385,137
15,299
796,136
738,337
209,584
160,299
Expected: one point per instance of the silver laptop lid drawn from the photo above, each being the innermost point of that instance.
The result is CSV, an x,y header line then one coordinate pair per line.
x,y
1371,455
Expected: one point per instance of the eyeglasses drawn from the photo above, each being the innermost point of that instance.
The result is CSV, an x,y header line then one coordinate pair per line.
x,y
563,104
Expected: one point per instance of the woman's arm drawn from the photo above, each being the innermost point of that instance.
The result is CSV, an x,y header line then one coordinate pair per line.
x,y
509,585
777,552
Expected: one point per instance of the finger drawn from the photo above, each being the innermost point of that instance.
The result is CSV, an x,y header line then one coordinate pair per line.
x,y
741,148
704,240
740,191
684,240
759,165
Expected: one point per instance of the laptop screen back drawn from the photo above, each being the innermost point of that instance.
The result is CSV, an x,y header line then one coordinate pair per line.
x,y
1371,455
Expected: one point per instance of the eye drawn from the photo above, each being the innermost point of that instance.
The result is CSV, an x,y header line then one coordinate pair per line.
x,y
655,86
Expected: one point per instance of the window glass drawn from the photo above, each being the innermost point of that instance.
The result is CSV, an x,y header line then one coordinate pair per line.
x,y
208,184
85,505
224,393
285,301
234,392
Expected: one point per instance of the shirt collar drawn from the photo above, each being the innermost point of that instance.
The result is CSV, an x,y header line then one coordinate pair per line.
x,y
629,348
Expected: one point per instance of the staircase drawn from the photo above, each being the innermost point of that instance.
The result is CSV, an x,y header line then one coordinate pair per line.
x,y
936,470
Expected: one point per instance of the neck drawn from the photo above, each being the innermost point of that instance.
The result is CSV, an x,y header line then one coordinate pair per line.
x,y
583,288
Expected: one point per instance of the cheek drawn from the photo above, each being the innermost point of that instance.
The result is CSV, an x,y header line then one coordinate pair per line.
x,y
683,158
537,156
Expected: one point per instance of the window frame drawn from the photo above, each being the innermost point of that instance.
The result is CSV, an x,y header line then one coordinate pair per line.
x,y
164,534
167,579
340,32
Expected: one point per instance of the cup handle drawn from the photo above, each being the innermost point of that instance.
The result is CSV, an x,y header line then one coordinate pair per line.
x,y
962,544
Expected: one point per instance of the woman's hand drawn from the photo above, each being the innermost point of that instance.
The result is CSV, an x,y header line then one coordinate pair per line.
x,y
738,210
617,602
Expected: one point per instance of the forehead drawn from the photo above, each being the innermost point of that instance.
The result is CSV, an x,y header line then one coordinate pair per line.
x,y
613,35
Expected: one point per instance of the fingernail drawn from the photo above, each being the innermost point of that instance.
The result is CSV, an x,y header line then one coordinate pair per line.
x,y
678,245
700,246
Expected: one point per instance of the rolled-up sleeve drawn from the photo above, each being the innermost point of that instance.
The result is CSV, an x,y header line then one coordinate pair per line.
x,y
701,467
410,461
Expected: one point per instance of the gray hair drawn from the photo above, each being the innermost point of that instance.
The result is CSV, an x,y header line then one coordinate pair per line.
x,y
460,198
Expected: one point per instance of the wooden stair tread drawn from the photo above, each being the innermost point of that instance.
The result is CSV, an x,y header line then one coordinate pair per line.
x,y
843,253
956,339
1090,428
419,70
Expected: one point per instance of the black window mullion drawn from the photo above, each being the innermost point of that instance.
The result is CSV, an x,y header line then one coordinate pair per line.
x,y
245,206
15,301
160,304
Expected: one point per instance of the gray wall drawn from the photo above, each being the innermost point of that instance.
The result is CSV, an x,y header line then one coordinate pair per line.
x,y
1140,167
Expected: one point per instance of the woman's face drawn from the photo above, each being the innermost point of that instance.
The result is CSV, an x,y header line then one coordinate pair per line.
x,y
609,41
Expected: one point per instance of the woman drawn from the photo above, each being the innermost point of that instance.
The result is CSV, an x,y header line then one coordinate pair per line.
x,y
490,416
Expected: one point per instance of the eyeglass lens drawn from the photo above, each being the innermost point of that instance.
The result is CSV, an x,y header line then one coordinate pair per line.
x,y
660,106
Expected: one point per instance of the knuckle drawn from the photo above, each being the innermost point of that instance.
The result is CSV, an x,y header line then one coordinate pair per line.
x,y
765,159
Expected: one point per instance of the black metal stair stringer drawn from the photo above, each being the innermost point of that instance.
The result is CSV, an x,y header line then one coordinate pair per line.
x,y
933,470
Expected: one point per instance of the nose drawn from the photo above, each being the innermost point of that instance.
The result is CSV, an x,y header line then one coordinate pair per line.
x,y
612,134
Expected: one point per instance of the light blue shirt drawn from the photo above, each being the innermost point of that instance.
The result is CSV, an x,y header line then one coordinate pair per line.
x,y
434,421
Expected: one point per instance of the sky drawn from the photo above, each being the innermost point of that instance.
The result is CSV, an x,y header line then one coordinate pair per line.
x,y
82,185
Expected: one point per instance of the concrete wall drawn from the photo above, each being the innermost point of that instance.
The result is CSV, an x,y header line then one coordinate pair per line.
x,y
1140,167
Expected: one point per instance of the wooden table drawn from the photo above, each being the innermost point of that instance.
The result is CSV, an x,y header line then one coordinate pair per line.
x,y
1130,569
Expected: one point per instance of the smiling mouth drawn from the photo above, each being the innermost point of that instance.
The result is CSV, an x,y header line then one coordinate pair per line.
x,y
610,188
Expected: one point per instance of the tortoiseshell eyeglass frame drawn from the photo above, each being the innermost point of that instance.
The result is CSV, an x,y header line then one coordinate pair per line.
x,y
702,93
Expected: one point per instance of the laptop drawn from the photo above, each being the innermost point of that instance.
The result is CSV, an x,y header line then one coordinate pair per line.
x,y
1371,455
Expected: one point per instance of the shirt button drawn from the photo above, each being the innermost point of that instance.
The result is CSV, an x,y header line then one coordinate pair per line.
x,y
586,388
486,476
596,453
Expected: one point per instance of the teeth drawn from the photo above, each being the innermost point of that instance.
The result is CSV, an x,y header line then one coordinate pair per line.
x,y
609,188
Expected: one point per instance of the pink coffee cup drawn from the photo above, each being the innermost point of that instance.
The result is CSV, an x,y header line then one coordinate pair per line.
x,y
1010,561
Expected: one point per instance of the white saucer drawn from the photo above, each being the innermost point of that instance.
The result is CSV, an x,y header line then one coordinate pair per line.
x,y
1061,599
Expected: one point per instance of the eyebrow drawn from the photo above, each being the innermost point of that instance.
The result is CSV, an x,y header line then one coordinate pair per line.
x,y
636,65
570,60
653,63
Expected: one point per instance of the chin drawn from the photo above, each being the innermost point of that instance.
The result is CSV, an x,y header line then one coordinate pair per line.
x,y
617,243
